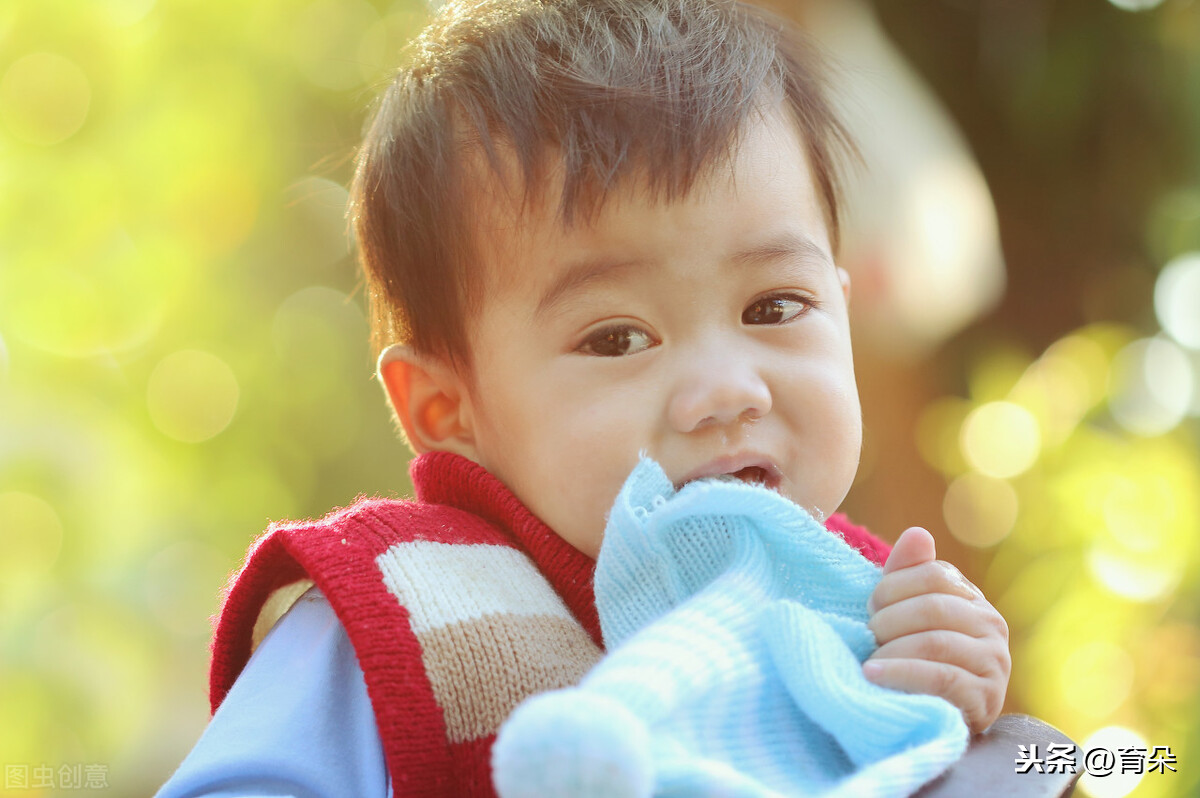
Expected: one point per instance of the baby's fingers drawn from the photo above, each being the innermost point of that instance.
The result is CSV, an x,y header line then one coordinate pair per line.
x,y
935,576
983,657
960,687
937,611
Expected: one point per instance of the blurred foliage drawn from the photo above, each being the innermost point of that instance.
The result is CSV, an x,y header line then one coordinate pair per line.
x,y
182,343
183,349
1068,435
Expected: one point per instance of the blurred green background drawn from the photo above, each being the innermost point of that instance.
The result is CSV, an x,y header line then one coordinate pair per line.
x,y
183,354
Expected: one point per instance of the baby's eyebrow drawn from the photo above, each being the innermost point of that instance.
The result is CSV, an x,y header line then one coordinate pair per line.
x,y
579,274
786,245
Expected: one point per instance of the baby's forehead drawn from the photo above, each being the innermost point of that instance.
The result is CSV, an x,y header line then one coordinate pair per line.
x,y
523,231
515,209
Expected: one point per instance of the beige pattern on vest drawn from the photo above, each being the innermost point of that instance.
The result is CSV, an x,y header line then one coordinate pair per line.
x,y
491,628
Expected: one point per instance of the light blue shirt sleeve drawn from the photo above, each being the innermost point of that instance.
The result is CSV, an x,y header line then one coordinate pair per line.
x,y
297,722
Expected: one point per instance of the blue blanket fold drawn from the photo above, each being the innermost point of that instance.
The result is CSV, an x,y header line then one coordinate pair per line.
x,y
735,626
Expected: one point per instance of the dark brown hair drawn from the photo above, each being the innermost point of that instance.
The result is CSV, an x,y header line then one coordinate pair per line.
x,y
610,89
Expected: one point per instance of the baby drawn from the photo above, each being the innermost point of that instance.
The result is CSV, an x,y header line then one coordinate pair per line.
x,y
589,228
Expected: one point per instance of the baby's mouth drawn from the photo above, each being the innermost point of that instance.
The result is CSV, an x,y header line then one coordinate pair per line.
x,y
748,468
751,475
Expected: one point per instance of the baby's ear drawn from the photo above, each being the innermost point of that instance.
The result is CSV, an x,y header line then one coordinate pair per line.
x,y
430,401
844,279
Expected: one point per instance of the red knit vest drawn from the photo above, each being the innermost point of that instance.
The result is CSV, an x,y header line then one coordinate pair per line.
x,y
458,604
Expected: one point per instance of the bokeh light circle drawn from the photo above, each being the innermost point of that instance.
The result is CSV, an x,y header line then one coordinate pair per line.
x,y
325,36
1096,678
191,395
31,536
937,434
980,511
124,13
1000,439
178,585
44,98
1151,386
319,209
1194,356
1137,578
1116,784
1136,5
1177,299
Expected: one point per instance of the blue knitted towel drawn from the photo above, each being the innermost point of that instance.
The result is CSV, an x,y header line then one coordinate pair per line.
x,y
735,626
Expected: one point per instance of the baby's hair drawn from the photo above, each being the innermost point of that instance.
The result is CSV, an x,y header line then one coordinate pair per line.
x,y
599,90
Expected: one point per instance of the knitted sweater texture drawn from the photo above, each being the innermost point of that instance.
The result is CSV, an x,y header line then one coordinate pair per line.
x,y
736,628
459,605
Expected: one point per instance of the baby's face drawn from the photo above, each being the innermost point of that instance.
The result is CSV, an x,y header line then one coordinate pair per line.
x,y
711,332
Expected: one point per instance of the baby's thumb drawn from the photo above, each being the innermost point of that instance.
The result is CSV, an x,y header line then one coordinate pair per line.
x,y
914,547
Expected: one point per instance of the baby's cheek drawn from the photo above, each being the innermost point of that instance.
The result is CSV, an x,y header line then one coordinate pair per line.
x,y
844,448
573,499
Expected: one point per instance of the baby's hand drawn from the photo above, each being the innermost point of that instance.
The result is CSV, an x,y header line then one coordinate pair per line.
x,y
937,634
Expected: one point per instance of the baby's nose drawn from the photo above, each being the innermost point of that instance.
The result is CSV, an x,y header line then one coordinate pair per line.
x,y
719,393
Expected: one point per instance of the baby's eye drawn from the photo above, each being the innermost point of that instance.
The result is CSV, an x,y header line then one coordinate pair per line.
x,y
776,309
616,341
